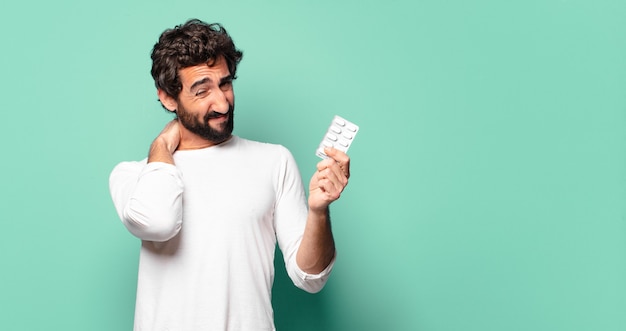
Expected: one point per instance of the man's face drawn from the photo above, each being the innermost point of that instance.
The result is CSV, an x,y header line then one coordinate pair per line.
x,y
206,102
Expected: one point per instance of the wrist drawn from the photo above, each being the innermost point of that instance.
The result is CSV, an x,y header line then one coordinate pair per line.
x,y
165,145
319,212
161,151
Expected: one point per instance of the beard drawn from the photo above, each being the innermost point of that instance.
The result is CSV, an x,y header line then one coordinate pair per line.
x,y
203,128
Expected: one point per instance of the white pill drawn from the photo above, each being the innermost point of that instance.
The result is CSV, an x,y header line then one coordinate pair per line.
x,y
340,135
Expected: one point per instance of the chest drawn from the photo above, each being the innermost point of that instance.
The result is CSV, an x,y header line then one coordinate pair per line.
x,y
237,196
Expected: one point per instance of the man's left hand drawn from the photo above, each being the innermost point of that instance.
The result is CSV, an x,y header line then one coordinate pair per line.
x,y
329,180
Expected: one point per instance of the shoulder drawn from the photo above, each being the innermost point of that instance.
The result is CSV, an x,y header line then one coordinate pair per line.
x,y
135,168
274,158
132,166
257,147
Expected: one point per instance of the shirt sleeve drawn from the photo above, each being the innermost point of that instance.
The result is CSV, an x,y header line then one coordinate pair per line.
x,y
148,198
290,219
311,283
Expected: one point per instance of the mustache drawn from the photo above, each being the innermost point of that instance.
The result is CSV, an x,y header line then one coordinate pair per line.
x,y
213,114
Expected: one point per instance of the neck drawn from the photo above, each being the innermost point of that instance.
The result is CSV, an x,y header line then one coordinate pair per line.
x,y
190,141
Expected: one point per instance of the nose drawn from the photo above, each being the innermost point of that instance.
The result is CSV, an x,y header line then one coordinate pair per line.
x,y
221,103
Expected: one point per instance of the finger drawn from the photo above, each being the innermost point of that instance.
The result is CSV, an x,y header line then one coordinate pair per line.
x,y
339,176
329,189
332,179
332,166
325,163
340,157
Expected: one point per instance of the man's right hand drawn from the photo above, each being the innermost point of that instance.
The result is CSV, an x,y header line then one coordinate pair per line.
x,y
165,144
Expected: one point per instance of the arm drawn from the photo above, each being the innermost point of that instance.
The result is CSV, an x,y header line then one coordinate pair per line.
x,y
165,144
317,248
148,196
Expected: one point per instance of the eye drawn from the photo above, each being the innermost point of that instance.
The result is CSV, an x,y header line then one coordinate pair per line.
x,y
226,86
201,92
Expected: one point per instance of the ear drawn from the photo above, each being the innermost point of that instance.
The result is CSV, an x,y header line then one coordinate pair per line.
x,y
167,100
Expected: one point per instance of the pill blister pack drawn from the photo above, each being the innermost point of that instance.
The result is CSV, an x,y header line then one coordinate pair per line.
x,y
339,135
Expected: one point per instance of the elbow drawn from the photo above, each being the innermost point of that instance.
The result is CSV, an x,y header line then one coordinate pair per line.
x,y
311,283
152,225
312,286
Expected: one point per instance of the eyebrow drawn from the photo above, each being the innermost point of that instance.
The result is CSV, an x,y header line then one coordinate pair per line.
x,y
225,79
199,82
207,79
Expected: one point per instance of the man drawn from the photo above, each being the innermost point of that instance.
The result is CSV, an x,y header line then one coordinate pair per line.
x,y
209,207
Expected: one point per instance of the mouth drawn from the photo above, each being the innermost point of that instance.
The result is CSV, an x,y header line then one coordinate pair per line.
x,y
216,115
219,118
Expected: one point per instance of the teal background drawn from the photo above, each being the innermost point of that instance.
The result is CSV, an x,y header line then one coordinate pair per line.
x,y
489,176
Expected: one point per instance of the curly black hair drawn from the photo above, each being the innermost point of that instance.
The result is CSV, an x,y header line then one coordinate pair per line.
x,y
187,45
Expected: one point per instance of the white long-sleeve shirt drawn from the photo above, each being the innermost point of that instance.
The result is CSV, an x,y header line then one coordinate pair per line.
x,y
209,227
